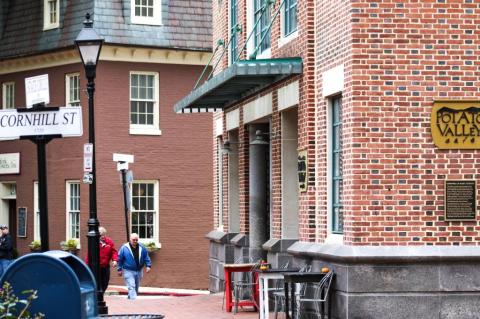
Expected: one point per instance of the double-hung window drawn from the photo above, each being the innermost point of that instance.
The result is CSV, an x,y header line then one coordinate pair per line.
x,y
8,93
146,12
72,89
51,14
144,109
337,166
73,209
261,15
233,30
144,216
290,17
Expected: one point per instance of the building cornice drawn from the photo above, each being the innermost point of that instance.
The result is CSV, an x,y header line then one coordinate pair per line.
x,y
109,53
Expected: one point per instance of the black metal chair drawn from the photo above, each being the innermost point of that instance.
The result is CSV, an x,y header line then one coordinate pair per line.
x,y
320,297
279,295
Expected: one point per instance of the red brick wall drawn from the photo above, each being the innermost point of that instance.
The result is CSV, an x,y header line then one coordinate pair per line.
x,y
398,58
404,56
301,47
180,159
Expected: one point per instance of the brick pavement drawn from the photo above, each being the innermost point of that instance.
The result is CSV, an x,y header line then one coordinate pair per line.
x,y
192,307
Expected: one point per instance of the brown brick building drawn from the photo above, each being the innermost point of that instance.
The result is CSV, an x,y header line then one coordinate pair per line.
x,y
152,56
346,126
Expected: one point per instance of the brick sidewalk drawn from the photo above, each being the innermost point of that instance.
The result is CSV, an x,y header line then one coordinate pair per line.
x,y
191,307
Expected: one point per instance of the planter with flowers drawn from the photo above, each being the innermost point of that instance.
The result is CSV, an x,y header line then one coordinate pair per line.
x,y
152,247
35,246
70,245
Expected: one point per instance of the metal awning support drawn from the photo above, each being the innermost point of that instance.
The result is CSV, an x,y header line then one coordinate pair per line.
x,y
239,81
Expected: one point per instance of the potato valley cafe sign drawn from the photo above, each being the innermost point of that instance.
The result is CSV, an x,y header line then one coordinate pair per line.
x,y
64,121
456,124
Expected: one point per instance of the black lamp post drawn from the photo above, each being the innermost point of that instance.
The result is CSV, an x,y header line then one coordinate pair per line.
x,y
89,44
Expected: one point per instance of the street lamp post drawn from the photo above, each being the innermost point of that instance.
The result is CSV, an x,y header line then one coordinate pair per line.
x,y
89,44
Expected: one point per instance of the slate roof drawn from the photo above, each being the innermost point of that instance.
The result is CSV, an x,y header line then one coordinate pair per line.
x,y
186,25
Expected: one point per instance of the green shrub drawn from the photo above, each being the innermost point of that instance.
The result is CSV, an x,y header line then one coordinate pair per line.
x,y
12,307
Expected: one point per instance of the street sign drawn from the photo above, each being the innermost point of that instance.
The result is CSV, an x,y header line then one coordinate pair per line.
x,y
64,121
88,178
88,157
36,90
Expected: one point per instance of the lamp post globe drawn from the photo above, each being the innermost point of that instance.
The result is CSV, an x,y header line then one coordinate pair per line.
x,y
89,44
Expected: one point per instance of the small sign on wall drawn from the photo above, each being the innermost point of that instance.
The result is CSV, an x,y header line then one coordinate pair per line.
x,y
22,222
460,200
10,163
302,161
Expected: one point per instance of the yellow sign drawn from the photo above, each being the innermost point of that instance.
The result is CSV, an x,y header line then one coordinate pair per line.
x,y
456,124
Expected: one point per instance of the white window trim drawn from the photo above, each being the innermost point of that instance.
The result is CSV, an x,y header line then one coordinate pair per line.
x,y
46,16
157,14
36,210
289,38
265,54
67,211
140,129
4,94
284,39
67,87
156,226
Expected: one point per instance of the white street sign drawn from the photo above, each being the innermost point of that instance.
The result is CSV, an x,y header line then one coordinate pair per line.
x,y
67,121
88,157
88,178
36,90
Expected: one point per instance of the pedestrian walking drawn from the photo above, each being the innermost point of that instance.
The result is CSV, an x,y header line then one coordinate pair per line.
x,y
108,254
132,258
6,249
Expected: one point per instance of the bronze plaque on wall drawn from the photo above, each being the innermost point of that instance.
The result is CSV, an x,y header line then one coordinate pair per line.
x,y
302,170
460,200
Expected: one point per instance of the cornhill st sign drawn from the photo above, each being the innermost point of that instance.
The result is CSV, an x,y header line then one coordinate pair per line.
x,y
62,121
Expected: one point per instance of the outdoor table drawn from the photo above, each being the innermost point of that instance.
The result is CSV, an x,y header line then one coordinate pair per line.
x,y
229,269
291,279
263,277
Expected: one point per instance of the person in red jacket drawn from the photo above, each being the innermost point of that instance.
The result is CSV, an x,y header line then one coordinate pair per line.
x,y
107,253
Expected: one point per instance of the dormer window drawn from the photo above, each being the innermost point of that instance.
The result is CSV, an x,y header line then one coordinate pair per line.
x,y
146,12
51,14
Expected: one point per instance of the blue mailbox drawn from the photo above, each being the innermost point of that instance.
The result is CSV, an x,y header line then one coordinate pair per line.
x,y
65,285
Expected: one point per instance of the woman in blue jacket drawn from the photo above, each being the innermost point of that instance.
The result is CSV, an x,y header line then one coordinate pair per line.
x,y
132,257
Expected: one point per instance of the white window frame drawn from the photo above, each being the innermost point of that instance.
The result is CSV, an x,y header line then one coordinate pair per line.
x,y
36,213
8,88
146,129
68,210
284,39
155,20
265,54
69,100
47,24
156,200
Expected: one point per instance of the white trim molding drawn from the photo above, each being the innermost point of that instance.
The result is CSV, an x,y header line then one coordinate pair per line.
x,y
257,109
109,53
333,81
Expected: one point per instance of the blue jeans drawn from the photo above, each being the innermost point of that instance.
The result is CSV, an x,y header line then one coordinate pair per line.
x,y
132,280
4,263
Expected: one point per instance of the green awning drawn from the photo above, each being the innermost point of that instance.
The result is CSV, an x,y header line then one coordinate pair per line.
x,y
239,81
